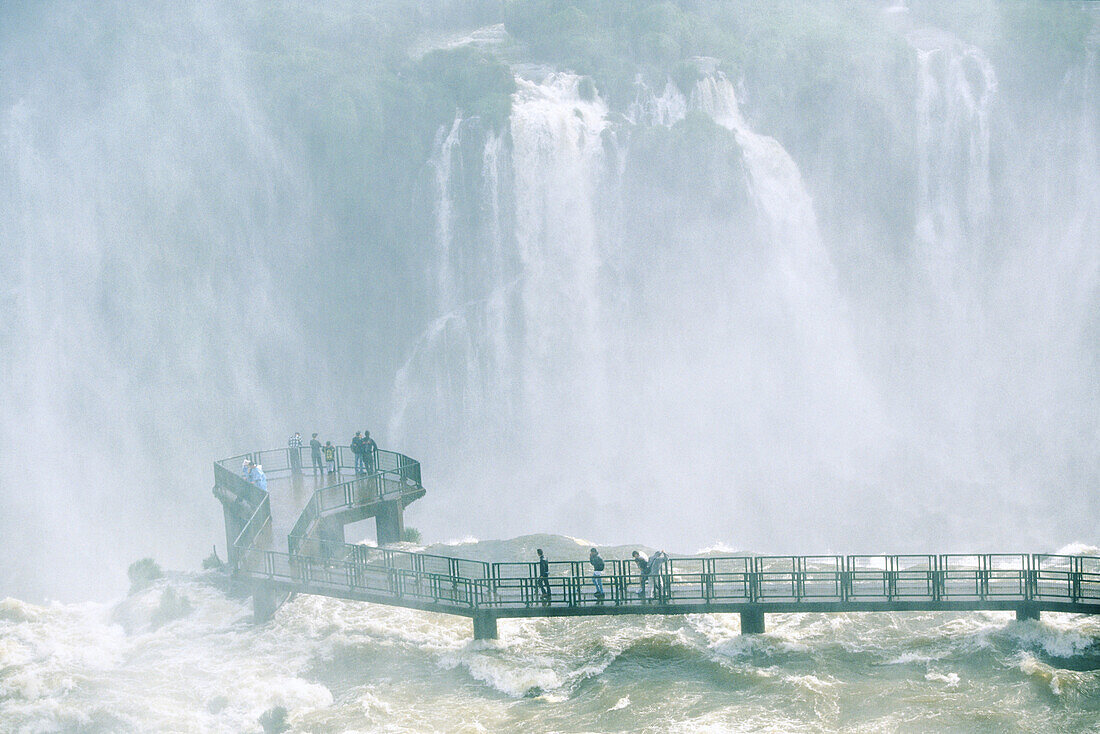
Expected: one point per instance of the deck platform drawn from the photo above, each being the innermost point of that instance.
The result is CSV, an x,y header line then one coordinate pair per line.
x,y
290,539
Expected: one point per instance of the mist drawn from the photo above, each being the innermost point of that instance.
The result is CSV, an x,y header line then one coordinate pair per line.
x,y
805,278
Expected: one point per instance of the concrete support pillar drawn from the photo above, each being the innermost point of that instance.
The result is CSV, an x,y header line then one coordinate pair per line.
x,y
485,626
389,523
333,532
1027,611
265,602
233,528
752,622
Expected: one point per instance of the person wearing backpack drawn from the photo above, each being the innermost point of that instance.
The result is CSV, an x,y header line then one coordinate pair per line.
x,y
330,456
597,572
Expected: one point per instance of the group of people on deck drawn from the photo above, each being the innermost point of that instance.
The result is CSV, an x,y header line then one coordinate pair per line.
x,y
323,456
254,473
649,569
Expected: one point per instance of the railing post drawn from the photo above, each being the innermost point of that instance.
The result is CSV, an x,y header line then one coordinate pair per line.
x,y
937,578
1075,580
754,580
846,578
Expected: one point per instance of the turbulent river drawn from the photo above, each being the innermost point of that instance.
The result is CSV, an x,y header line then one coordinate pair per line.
x,y
346,666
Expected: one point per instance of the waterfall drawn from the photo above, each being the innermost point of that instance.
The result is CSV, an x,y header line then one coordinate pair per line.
x,y
148,212
523,333
954,105
558,162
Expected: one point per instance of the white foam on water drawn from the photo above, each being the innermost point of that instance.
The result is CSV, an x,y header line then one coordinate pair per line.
x,y
622,703
717,547
909,658
951,680
1078,549
1064,642
71,666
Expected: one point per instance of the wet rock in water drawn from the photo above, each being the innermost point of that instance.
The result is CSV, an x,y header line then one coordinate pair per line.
x,y
274,720
172,606
143,573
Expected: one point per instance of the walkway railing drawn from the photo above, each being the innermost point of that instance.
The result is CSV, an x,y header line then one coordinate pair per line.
x,y
394,475
321,565
852,581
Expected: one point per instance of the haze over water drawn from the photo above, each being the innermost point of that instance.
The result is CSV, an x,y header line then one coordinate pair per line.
x,y
785,277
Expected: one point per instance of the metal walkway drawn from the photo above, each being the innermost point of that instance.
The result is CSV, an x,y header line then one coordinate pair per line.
x,y
316,560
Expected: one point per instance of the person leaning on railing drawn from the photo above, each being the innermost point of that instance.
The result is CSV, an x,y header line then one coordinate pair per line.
x,y
294,443
370,452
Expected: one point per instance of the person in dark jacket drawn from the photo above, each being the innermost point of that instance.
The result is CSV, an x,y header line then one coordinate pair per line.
x,y
370,452
357,450
315,454
542,582
597,572
656,562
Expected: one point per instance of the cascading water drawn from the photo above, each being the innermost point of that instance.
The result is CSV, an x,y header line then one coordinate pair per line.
x,y
954,108
569,424
139,250
634,307
524,336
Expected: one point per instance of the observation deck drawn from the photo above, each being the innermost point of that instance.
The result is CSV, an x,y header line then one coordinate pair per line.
x,y
290,539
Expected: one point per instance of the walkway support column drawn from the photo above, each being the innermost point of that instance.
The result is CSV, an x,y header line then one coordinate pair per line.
x,y
752,621
389,523
264,602
1027,611
233,527
485,626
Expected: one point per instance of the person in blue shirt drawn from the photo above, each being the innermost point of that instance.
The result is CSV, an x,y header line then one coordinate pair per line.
x,y
261,478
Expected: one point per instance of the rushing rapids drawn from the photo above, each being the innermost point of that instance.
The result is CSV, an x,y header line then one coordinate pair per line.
x,y
348,666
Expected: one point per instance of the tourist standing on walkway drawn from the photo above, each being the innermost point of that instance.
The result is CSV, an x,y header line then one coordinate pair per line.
x,y
597,572
246,470
330,457
357,449
653,573
642,562
294,443
370,452
542,583
261,478
315,455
